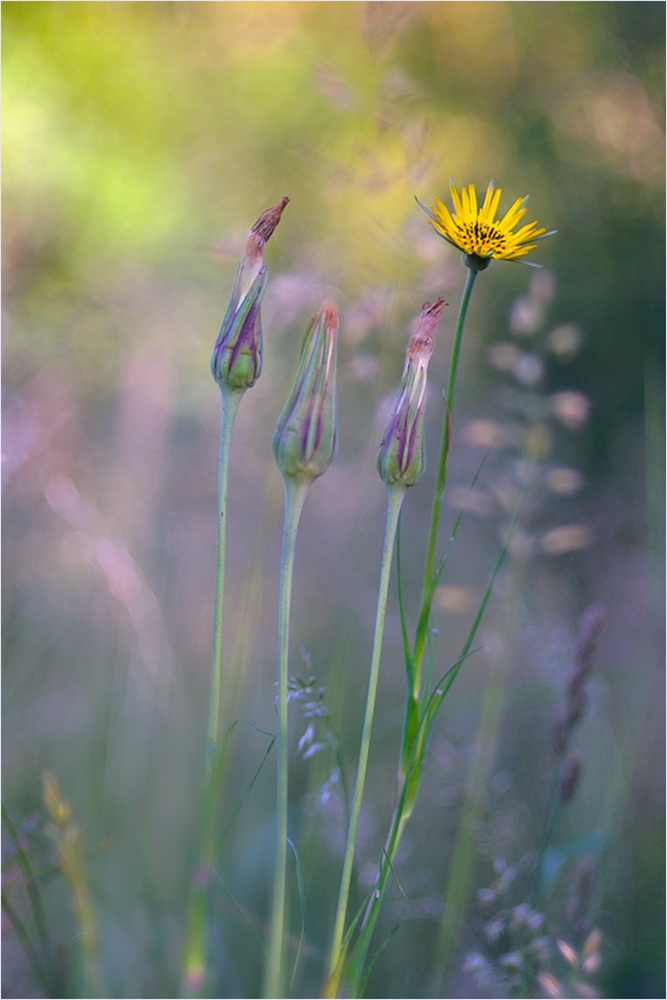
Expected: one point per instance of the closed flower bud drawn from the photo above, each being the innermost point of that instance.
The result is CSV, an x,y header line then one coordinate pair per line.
x,y
400,458
304,443
237,355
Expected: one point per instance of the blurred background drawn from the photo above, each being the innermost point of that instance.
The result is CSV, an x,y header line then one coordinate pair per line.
x,y
140,143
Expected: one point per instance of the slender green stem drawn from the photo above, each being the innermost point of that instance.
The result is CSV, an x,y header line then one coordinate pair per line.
x,y
396,495
230,402
442,469
412,752
295,494
195,950
402,809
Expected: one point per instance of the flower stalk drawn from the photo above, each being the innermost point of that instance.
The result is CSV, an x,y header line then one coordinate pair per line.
x,y
295,494
236,364
400,462
395,500
481,237
304,446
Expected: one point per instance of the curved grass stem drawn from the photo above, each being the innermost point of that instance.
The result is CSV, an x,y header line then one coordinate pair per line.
x,y
396,495
295,494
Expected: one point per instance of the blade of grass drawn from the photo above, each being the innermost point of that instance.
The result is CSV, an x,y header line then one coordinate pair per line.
x,y
30,950
461,868
196,951
245,795
429,592
391,869
242,912
374,960
438,698
31,886
30,828
302,902
330,988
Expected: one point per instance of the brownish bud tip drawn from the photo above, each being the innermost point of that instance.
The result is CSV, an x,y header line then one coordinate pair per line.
x,y
267,222
330,313
420,346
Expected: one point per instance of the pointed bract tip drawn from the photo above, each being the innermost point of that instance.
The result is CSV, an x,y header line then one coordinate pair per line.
x,y
329,312
267,222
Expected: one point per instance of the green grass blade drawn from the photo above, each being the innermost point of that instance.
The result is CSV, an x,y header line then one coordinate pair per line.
x,y
215,778
373,961
245,795
31,829
393,872
247,920
429,594
438,698
302,902
29,948
448,679
31,886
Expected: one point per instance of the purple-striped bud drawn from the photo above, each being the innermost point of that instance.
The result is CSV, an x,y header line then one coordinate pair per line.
x,y
304,443
237,355
401,458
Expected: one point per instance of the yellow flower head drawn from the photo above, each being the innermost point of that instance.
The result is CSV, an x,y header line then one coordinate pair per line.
x,y
478,233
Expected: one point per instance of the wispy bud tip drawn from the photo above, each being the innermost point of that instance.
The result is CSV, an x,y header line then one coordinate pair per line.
x,y
263,229
420,346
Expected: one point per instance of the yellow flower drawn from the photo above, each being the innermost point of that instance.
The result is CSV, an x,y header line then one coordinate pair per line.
x,y
478,233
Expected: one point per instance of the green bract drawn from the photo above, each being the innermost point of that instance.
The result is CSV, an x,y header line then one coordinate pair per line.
x,y
304,443
401,459
237,355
